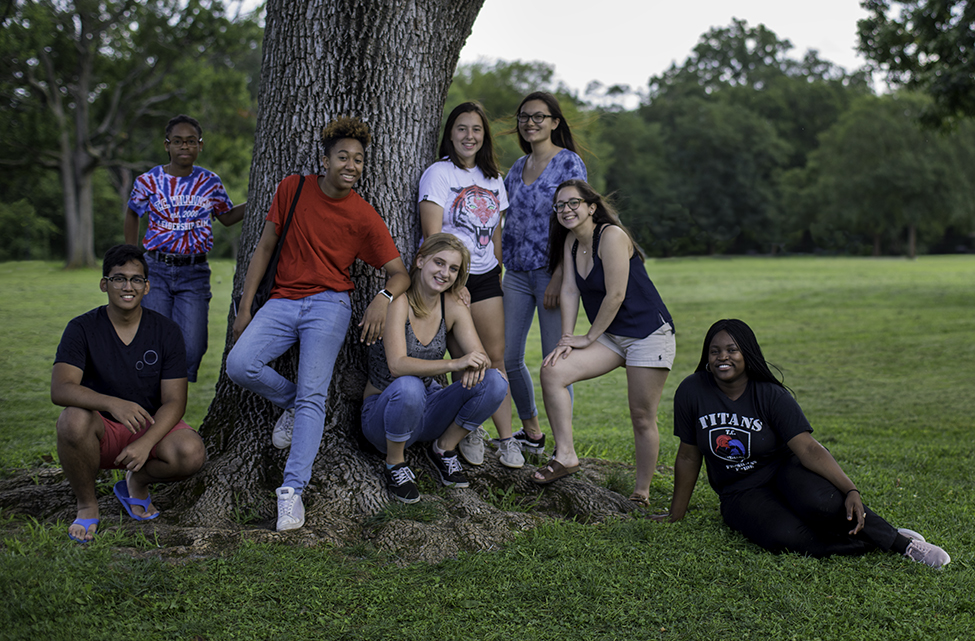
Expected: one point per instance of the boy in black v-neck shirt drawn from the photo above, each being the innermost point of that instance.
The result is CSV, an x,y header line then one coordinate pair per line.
x,y
120,373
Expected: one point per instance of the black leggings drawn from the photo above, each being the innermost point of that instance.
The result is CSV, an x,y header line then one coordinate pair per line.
x,y
800,511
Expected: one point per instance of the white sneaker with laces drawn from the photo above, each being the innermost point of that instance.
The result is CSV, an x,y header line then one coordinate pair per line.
x,y
291,511
927,553
472,446
285,426
509,451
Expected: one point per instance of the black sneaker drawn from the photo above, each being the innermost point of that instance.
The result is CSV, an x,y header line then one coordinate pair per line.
x,y
448,467
400,481
529,445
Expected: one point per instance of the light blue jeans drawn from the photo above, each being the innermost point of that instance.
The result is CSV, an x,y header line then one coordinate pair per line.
x,y
409,412
182,293
318,323
524,293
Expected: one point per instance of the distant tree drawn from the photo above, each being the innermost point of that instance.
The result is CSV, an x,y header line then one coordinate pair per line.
x,y
878,174
925,45
78,78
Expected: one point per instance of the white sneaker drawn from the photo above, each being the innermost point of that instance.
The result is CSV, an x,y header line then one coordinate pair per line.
x,y
509,451
472,446
291,511
911,534
927,553
281,436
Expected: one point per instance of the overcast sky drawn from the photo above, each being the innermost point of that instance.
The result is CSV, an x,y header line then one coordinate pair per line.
x,y
627,41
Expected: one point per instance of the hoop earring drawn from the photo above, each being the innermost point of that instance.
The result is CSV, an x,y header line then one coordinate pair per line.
x,y
707,367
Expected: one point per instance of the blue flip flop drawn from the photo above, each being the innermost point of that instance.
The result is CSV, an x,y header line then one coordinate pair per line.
x,y
121,490
85,523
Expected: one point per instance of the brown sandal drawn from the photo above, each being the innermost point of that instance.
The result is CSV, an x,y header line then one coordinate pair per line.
x,y
553,472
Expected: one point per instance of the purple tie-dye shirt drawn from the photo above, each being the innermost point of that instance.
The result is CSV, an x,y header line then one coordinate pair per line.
x,y
524,241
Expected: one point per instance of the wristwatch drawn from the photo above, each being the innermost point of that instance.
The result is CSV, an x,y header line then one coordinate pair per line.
x,y
387,294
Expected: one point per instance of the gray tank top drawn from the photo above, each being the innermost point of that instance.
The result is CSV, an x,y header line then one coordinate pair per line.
x,y
379,374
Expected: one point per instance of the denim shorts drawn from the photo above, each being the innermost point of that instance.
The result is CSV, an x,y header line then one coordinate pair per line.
x,y
656,350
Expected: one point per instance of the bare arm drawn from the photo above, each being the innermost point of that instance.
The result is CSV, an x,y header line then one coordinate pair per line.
x,y
397,281
131,227
615,250
551,298
255,271
431,218
394,342
687,466
496,239
173,394
233,216
817,458
67,391
569,305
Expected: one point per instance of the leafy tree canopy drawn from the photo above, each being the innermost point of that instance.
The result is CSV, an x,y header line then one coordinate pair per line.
x,y
927,45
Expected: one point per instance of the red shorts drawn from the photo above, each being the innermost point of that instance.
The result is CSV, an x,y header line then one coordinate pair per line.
x,y
117,437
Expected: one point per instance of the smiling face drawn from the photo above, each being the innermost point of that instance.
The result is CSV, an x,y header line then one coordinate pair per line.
x,y
467,136
439,271
183,145
343,167
568,217
534,132
127,297
726,362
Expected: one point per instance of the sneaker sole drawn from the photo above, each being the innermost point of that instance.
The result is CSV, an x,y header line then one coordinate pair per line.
x,y
403,499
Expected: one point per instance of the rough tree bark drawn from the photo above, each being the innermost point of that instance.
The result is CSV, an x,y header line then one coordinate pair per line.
x,y
389,62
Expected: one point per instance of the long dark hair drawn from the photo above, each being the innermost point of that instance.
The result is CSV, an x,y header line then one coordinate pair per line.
x,y
485,159
756,367
561,136
605,214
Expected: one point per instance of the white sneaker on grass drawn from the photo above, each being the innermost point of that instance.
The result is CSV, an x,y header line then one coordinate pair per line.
x,y
509,451
911,534
283,429
927,553
291,511
472,446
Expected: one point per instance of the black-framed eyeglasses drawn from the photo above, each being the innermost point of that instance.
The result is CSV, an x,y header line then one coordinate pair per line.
x,y
538,118
118,281
572,203
189,142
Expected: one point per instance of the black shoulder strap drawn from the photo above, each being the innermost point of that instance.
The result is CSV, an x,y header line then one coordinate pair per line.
x,y
291,213
443,312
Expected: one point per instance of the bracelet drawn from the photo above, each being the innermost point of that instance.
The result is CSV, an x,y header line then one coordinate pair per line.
x,y
387,294
853,490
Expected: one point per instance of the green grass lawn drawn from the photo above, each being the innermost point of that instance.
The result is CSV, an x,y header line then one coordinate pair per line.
x,y
880,353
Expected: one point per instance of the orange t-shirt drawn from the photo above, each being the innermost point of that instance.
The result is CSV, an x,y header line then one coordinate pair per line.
x,y
325,238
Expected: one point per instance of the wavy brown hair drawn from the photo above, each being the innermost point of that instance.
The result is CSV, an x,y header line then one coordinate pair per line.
x,y
605,214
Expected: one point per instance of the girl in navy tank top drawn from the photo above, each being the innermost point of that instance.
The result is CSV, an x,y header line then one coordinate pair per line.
x,y
630,326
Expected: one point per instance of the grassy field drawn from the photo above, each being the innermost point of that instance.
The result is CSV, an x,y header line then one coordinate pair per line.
x,y
880,353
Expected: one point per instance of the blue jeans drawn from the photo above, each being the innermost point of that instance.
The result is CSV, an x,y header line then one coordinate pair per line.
x,y
182,293
319,324
524,292
407,411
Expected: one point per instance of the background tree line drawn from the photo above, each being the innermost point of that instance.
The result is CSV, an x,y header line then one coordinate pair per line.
x,y
742,148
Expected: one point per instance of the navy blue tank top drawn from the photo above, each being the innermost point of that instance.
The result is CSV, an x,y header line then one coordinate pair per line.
x,y
643,311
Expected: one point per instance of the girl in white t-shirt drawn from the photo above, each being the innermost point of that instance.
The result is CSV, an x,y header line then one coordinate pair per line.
x,y
463,194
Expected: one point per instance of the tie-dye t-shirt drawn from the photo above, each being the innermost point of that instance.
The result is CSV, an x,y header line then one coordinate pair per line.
x,y
179,209
472,206
524,241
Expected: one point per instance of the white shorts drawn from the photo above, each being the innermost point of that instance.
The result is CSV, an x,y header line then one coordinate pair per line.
x,y
656,350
